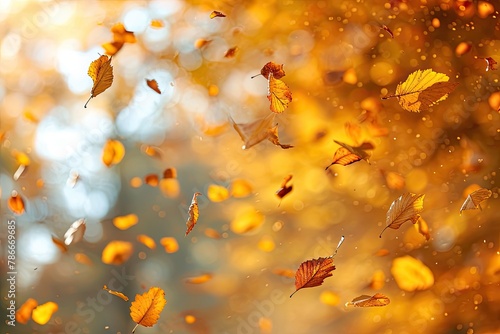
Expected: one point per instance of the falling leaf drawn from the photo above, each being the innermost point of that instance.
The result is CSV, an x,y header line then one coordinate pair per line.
x,y
157,24
23,314
193,213
101,72
146,241
113,152
285,188
422,90
60,244
112,48
393,180
170,173
240,188
265,325
405,208
247,220
215,14
230,53
347,154
277,70
153,85
273,138
117,252
146,308
199,279
411,274
211,233
278,94
16,203
125,222
152,151
491,64
382,252
116,293
75,232
170,244
378,280
284,272
377,299
462,48
423,228
389,31
151,180
255,132
42,313
475,198
23,161
83,259
122,35
217,193
312,273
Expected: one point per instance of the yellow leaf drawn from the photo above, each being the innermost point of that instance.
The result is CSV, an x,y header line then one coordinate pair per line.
x,y
117,252
157,24
116,293
170,244
42,313
83,259
120,34
125,222
240,188
278,94
377,299
23,314
153,85
254,132
422,89
113,152
193,213
146,308
411,274
246,221
217,193
405,208
101,73
199,279
190,319
146,241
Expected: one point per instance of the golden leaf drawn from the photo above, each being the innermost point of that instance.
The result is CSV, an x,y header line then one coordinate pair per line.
x,y
377,299
117,252
312,273
215,14
423,228
116,293
16,203
170,244
156,24
146,241
423,89
278,94
113,152
153,85
199,279
217,193
347,154
411,274
75,232
42,313
193,212
246,221
122,35
405,208
125,222
240,188
475,198
23,314
277,70
101,72
146,308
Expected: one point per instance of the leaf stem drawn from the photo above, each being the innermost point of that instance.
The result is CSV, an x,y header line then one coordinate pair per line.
x,y
85,106
133,330
255,76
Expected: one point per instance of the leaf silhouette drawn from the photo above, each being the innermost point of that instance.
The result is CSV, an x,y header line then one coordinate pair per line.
x,y
193,212
405,208
422,89
216,13
474,199
278,94
347,154
116,293
146,308
411,274
153,85
75,232
377,299
101,73
254,132
313,272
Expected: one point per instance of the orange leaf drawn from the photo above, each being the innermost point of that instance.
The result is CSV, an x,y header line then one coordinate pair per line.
x,y
240,188
170,173
217,193
199,279
23,314
405,208
157,24
230,53
213,234
273,137
60,244
491,64
16,203
423,228
153,85
115,293
215,14
146,241
101,72
347,154
151,179
170,244
411,274
113,152
120,34
75,232
146,308
277,70
193,212
377,299
312,273
278,94
83,259
475,198
125,222
42,313
117,252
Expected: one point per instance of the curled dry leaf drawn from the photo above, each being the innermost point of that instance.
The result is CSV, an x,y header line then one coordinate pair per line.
x,y
75,232
153,85
16,203
377,299
273,138
423,228
474,199
423,89
146,308
254,132
405,208
23,314
285,188
117,252
389,31
278,94
113,152
120,37
312,273
115,293
101,73
193,213
42,313
276,69
216,13
347,154
230,53
411,274
199,279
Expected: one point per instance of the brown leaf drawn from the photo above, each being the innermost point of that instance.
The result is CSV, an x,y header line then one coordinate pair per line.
x,y
405,208
16,203
491,64
255,132
101,72
230,53
285,188
377,299
474,199
277,70
75,232
278,94
312,273
116,293
215,14
389,31
273,138
153,85
146,308
170,173
193,212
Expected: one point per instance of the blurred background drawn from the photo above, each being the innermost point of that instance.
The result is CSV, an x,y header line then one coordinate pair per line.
x,y
340,58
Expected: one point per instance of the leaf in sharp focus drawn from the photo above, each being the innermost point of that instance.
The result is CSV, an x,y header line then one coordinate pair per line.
x,y
475,198
422,89
230,53
278,94
277,70
377,299
255,132
101,73
343,157
116,293
153,85
405,208
75,232
216,13
273,138
146,308
193,212
113,152
312,273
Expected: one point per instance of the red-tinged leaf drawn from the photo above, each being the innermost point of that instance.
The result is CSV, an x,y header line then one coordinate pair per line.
x,y
285,188
405,208
216,13
153,85
230,53
193,212
277,70
312,273
491,64
377,299
389,31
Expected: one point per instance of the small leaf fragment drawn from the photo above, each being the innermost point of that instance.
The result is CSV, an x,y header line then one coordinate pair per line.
x,y
42,313
60,244
113,152
285,188
273,138
199,279
117,252
153,85
491,64
23,314
115,293
16,203
216,13
146,241
377,299
193,213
